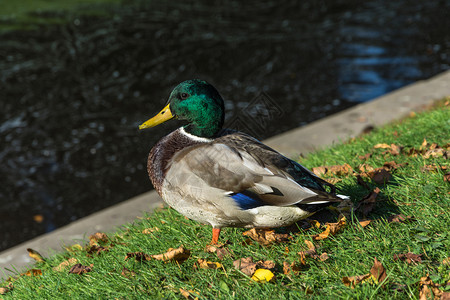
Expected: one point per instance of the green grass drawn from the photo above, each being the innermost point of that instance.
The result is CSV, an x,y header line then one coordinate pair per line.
x,y
412,192
30,14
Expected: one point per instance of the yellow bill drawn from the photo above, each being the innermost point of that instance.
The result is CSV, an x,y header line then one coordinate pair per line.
x,y
164,115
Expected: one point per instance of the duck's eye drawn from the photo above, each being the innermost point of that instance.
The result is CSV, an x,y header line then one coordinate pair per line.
x,y
184,96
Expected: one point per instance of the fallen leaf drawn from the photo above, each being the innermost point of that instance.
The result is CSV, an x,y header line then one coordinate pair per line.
x,y
400,218
380,176
263,275
204,264
446,261
220,250
245,265
150,230
424,144
189,294
351,281
322,235
368,203
35,255
378,271
365,168
74,248
365,223
266,237
409,257
382,146
319,171
80,269
447,177
426,285
339,170
96,249
32,272
97,237
292,268
265,264
139,256
179,254
392,165
67,263
331,229
395,149
324,256
365,156
4,290
127,273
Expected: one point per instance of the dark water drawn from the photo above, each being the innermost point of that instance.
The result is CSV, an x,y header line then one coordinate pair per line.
x,y
72,96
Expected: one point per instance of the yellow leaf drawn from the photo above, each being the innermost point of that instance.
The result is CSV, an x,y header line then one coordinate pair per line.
x,y
382,146
67,263
35,255
262,275
204,264
365,223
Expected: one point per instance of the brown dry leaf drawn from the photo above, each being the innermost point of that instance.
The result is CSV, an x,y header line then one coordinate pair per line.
x,y
32,272
367,204
437,152
96,249
266,237
265,264
80,269
445,296
409,257
378,271
127,273
382,146
392,165
433,167
204,264
365,223
324,256
365,168
332,229
365,156
319,171
179,254
150,230
314,223
245,265
351,281
447,177
67,263
292,268
139,256
446,261
35,255
400,218
380,175
339,170
395,149
425,284
4,290
322,235
220,250
97,237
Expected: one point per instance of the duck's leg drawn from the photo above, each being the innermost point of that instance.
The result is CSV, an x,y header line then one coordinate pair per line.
x,y
215,236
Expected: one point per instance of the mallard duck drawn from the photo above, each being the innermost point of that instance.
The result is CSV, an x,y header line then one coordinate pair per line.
x,y
223,177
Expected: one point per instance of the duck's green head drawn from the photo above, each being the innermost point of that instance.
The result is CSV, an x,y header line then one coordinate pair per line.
x,y
197,102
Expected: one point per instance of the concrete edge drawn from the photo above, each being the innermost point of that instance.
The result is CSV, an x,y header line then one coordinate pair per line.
x,y
316,135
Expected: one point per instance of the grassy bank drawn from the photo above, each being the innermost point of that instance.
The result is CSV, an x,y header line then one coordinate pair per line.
x,y
29,14
397,177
